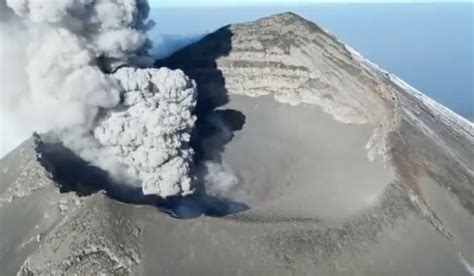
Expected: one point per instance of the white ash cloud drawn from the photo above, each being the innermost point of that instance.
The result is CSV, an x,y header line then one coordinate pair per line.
x,y
55,57
12,79
151,133
59,45
221,181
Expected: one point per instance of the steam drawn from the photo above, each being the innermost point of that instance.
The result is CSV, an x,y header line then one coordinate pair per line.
x,y
57,62
221,181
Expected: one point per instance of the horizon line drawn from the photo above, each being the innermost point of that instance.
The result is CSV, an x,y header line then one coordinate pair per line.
x,y
154,4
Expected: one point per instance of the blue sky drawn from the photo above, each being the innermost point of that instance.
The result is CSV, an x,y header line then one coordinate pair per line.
x,y
207,3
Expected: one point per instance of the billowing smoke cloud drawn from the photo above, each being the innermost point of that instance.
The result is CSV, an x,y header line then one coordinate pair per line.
x,y
151,134
57,66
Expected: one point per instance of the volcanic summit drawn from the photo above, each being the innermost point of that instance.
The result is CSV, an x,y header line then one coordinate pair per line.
x,y
308,159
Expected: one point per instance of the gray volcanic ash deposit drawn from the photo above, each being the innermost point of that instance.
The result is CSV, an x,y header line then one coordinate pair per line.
x,y
306,159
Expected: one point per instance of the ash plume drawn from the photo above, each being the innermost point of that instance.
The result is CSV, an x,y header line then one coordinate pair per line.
x,y
74,67
151,134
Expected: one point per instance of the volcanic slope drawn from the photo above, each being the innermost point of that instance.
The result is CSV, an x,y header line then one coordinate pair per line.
x,y
346,170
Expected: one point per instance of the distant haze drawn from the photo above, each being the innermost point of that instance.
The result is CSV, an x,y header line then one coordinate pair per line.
x,y
428,45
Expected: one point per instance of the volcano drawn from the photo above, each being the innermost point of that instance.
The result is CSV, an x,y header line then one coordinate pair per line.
x,y
333,166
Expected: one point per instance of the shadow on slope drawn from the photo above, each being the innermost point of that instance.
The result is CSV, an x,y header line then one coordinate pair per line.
x,y
73,174
214,127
